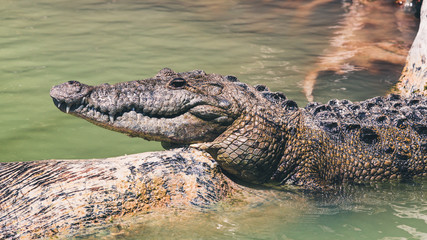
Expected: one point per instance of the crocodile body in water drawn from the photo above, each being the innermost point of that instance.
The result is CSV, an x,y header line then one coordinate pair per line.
x,y
259,136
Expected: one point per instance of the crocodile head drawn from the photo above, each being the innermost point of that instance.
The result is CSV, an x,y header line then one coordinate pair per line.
x,y
175,108
241,126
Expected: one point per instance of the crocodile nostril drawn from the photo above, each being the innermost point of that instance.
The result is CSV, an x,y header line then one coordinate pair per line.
x,y
72,82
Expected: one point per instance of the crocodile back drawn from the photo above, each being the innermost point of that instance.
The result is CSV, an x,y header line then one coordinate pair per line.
x,y
338,116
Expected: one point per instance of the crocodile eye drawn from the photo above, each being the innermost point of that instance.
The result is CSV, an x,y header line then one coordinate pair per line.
x,y
177,83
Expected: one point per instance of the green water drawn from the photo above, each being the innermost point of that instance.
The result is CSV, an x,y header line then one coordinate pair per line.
x,y
44,43
386,212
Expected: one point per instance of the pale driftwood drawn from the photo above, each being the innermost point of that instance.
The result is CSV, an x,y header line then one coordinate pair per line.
x,y
414,74
42,198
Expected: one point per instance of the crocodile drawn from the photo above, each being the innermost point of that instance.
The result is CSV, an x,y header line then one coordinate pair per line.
x,y
259,136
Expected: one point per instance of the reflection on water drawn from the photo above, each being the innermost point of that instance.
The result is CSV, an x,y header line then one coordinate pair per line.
x,y
368,34
270,42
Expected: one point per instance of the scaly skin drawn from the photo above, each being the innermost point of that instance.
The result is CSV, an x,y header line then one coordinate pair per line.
x,y
259,136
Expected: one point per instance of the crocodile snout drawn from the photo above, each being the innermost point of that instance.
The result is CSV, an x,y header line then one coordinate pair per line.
x,y
70,95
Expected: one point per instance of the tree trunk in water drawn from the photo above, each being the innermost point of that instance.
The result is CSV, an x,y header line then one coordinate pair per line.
x,y
43,198
414,74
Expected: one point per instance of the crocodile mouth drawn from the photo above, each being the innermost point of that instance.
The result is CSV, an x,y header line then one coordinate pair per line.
x,y
191,123
85,109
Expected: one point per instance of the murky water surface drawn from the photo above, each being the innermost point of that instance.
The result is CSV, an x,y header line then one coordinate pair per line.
x,y
277,43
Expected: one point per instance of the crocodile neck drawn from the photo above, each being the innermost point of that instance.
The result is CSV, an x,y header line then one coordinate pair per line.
x,y
254,146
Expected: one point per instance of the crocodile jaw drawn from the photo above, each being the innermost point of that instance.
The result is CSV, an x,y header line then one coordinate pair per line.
x,y
191,122
179,129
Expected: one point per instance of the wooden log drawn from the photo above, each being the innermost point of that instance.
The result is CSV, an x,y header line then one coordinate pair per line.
x,y
414,74
43,198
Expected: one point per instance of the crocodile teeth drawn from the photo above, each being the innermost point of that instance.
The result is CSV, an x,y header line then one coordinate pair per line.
x,y
59,105
111,118
83,100
67,110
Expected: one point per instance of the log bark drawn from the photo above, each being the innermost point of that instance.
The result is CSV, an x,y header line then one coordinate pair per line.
x,y
43,198
414,74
